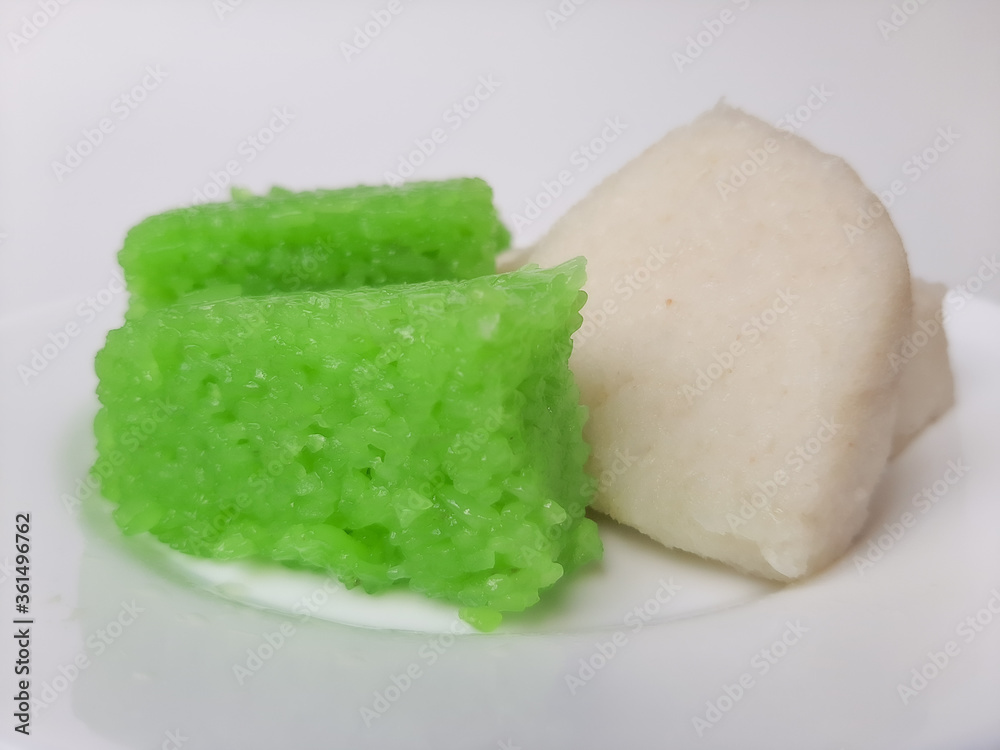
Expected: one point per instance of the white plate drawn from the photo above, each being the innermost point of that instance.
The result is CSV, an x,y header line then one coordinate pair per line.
x,y
186,659
198,662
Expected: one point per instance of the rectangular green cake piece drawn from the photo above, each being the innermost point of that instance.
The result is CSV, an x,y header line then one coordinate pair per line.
x,y
422,435
324,239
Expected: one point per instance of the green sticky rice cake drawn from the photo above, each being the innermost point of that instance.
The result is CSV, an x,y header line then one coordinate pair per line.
x,y
324,239
422,435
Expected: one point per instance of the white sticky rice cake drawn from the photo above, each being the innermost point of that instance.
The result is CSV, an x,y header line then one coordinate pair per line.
x,y
926,384
735,349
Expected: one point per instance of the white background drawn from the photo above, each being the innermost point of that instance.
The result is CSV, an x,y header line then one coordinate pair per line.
x,y
353,121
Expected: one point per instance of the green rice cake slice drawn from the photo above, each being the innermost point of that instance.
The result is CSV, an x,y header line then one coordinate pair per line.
x,y
323,239
423,435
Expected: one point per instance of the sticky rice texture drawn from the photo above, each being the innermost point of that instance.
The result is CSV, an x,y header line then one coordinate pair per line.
x,y
321,239
420,435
